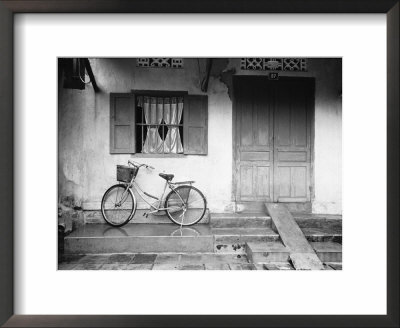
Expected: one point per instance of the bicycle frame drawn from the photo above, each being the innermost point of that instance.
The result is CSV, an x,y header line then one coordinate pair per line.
x,y
190,200
134,185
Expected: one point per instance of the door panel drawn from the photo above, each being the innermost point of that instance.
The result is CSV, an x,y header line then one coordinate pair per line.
x,y
282,122
246,180
282,181
291,183
263,182
254,127
246,132
255,156
273,139
292,146
299,178
261,118
299,124
292,156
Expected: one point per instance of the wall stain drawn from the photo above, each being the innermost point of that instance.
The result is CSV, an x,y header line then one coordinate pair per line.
x,y
226,78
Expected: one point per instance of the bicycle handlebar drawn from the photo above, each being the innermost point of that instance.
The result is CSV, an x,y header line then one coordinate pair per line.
x,y
140,164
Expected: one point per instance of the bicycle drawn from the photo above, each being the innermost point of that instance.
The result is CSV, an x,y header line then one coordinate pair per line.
x,y
184,205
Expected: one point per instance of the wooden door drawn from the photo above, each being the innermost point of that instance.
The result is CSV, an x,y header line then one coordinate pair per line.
x,y
292,140
254,144
272,139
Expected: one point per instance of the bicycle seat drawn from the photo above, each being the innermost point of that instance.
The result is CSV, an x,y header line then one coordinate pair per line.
x,y
167,177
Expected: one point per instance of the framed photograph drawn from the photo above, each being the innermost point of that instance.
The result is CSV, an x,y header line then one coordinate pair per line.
x,y
224,164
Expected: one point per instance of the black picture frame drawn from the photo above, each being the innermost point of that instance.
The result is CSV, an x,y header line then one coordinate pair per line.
x,y
10,7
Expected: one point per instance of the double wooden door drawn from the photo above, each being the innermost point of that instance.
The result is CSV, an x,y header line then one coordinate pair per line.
x,y
273,139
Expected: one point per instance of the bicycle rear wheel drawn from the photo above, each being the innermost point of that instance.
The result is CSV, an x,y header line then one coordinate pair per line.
x,y
185,205
118,205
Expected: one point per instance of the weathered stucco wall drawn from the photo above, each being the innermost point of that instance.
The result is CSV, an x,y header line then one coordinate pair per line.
x,y
328,137
86,168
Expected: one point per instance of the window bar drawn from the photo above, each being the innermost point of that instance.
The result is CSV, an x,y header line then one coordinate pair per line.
x,y
179,123
160,124
158,121
143,121
170,133
163,126
154,123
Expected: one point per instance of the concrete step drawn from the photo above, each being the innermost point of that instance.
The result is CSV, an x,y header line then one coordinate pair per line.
x,y
240,220
233,240
95,216
139,238
146,238
267,252
322,235
334,265
328,251
320,227
318,221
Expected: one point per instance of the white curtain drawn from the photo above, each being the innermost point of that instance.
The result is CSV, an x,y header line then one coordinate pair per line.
x,y
153,111
173,108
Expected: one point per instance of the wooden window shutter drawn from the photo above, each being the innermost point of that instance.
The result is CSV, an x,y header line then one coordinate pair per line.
x,y
195,121
122,123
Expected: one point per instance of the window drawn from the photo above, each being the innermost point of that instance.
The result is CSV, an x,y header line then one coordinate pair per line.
x,y
158,123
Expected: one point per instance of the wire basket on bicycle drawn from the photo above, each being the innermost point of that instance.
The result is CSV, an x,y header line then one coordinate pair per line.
x,y
126,173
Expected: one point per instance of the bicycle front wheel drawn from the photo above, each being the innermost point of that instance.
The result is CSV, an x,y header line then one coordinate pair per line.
x,y
185,205
117,205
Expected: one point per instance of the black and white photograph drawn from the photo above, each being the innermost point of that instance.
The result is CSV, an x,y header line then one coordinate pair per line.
x,y
204,162
199,163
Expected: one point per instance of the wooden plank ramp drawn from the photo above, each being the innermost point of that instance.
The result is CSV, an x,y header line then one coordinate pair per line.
x,y
302,254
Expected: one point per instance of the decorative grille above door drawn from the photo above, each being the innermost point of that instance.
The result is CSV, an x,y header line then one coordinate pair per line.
x,y
274,64
160,62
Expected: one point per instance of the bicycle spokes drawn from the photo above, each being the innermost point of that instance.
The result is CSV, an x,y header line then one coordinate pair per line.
x,y
117,205
185,205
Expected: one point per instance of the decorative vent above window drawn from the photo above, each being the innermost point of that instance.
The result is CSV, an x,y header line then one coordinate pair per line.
x,y
274,64
160,62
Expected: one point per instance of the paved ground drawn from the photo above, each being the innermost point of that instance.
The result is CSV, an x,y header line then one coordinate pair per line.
x,y
219,245
202,261
195,261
